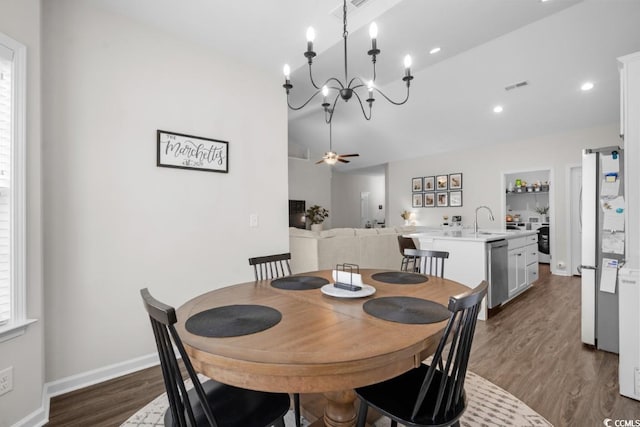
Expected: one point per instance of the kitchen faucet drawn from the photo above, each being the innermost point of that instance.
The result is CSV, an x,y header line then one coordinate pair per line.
x,y
475,222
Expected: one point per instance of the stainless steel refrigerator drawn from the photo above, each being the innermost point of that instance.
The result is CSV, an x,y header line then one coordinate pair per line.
x,y
602,218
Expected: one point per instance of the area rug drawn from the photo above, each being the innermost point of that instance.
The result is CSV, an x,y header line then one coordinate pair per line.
x,y
488,405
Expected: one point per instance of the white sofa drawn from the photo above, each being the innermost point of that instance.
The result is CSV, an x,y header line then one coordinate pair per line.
x,y
367,247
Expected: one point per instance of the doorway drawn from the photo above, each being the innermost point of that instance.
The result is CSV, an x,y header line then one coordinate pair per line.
x,y
528,205
364,209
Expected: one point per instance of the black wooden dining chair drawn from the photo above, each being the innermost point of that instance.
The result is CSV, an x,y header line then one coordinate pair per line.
x,y
426,261
210,403
406,243
431,395
273,267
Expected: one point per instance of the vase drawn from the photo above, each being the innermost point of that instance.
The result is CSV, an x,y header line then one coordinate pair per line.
x,y
316,227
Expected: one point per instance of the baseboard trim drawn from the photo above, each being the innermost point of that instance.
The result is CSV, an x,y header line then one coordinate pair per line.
x,y
40,416
561,273
86,379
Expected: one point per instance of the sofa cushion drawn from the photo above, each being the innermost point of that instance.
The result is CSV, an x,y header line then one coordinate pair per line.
x,y
342,232
386,230
366,232
367,247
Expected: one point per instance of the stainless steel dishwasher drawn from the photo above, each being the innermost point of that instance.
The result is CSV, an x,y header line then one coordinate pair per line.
x,y
497,273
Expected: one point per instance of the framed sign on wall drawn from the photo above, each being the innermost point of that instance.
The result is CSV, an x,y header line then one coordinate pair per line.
x,y
177,150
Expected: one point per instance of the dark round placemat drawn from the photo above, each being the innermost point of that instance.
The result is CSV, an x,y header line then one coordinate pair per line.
x,y
299,283
400,277
233,321
406,310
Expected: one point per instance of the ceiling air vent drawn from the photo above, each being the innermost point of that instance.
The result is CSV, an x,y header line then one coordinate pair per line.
x,y
517,85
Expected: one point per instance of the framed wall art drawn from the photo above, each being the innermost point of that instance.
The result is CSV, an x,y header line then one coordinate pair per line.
x,y
442,199
429,183
429,200
455,181
442,182
455,198
417,200
416,184
177,150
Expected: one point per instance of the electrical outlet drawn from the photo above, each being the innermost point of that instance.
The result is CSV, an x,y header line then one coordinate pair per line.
x,y
6,380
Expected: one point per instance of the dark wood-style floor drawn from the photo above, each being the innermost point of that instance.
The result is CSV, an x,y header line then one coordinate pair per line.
x,y
531,348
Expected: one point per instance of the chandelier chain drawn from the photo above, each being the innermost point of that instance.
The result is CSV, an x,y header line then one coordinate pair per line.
x,y
345,34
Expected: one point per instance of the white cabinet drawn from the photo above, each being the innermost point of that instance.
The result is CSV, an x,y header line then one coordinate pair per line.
x,y
522,263
531,256
517,271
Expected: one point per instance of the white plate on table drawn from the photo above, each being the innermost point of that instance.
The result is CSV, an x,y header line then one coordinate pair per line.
x,y
331,290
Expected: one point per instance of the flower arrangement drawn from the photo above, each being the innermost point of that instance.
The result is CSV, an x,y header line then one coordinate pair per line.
x,y
316,214
405,215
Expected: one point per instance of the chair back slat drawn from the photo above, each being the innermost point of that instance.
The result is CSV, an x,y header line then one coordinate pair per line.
x,y
271,266
163,319
458,335
426,261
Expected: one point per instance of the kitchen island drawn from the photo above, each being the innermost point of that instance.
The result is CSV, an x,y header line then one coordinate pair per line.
x,y
506,259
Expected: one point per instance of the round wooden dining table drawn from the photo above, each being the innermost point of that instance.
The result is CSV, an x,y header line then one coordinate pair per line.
x,y
322,344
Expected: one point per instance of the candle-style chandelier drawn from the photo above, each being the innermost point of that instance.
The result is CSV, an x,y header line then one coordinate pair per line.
x,y
347,89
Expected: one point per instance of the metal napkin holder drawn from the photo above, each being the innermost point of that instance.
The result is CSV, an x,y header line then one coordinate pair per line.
x,y
348,268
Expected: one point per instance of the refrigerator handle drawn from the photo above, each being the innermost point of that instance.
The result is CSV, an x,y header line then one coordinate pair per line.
x,y
586,267
580,209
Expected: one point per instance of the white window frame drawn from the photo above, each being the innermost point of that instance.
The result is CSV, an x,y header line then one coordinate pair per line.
x,y
18,249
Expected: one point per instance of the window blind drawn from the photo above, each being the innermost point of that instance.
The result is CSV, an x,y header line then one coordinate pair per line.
x,y
5,182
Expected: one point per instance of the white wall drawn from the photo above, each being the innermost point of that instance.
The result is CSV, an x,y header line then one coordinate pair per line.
x,y
115,222
312,183
345,198
482,171
20,20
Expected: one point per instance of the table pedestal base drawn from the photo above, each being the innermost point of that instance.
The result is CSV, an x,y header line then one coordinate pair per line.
x,y
333,409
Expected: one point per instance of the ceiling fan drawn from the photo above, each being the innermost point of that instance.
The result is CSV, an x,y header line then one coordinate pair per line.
x,y
331,157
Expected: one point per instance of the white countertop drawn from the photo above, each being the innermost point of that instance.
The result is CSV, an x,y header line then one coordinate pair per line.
x,y
469,235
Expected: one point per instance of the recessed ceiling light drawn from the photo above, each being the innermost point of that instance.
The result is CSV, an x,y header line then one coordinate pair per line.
x,y
543,1
434,50
586,86
498,109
